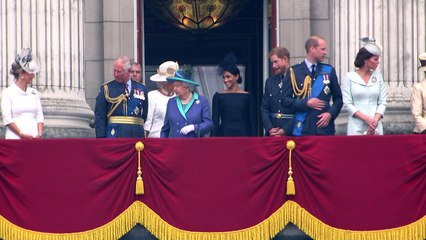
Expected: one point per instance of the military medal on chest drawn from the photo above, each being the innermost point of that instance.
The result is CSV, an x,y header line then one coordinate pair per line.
x,y
136,111
139,94
326,81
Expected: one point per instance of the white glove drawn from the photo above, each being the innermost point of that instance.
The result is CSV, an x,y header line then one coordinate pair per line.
x,y
187,129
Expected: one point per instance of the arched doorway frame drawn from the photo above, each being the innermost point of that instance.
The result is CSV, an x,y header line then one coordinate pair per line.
x,y
269,39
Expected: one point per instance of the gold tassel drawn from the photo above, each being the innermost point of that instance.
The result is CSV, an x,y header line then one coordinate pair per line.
x,y
139,182
139,186
291,188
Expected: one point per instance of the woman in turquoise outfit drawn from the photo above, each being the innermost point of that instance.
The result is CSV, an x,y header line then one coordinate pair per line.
x,y
188,114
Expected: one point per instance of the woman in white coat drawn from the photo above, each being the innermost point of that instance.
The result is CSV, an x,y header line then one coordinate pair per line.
x,y
20,103
158,99
364,93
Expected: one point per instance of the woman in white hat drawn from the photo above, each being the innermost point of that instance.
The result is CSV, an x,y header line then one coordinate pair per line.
x,y
418,100
364,93
158,98
188,114
20,104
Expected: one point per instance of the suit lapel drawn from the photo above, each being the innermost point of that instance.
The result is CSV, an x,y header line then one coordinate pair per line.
x,y
305,68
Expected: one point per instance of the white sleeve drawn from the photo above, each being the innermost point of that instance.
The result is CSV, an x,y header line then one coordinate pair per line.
x,y
381,101
149,117
347,96
39,115
6,107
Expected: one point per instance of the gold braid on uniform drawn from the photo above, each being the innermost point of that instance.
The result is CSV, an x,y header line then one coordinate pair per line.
x,y
307,86
115,101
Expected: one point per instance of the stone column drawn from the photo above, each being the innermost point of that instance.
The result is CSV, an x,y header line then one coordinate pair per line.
x,y
54,31
399,27
108,33
294,27
299,19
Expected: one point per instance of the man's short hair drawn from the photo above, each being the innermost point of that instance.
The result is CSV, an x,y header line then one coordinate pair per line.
x,y
134,63
313,41
123,61
281,52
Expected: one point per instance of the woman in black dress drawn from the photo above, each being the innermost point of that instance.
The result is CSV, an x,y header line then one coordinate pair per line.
x,y
233,109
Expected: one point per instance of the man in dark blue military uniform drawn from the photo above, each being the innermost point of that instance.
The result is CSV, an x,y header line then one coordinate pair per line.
x,y
310,86
277,119
122,105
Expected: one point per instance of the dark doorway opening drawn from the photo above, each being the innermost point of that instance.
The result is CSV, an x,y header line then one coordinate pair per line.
x,y
243,36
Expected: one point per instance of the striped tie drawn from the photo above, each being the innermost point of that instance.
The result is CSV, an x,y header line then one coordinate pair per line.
x,y
126,89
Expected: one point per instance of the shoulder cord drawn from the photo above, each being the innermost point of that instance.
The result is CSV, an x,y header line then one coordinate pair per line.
x,y
115,101
307,85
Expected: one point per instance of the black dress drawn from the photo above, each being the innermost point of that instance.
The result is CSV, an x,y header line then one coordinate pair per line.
x,y
234,114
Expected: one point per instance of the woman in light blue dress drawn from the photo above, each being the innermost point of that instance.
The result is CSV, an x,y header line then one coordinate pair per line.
x,y
364,93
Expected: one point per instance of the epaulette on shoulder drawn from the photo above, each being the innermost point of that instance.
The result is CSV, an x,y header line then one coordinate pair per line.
x,y
107,82
297,65
140,85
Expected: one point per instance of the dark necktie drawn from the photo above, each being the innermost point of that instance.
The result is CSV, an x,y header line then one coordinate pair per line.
x,y
126,90
313,70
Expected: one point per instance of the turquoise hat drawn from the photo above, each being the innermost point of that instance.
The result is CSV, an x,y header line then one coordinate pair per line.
x,y
183,76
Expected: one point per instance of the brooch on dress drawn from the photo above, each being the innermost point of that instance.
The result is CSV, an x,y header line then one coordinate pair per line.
x,y
374,79
197,101
326,81
139,94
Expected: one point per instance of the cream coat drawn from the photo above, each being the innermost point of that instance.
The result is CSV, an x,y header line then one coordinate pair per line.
x,y
418,106
157,106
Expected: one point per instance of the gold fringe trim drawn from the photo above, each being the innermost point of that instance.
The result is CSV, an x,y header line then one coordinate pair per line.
x,y
138,212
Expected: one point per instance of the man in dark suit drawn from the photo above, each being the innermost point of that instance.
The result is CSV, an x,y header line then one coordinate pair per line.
x,y
277,119
310,86
122,105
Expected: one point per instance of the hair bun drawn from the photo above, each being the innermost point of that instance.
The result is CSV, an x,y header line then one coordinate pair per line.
x,y
231,58
229,61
